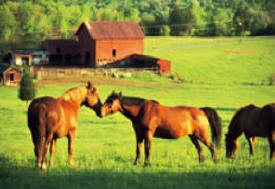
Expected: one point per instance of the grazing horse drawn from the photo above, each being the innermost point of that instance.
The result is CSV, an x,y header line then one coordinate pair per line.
x,y
51,118
252,121
151,119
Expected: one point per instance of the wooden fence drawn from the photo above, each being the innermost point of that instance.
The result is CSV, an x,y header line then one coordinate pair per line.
x,y
45,72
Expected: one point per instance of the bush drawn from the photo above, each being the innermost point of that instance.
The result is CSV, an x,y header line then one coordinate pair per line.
x,y
271,79
27,88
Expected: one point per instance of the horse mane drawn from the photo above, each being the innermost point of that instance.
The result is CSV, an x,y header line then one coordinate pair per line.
x,y
131,101
74,94
235,120
134,101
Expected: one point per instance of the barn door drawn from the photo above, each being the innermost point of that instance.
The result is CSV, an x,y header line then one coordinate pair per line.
x,y
87,58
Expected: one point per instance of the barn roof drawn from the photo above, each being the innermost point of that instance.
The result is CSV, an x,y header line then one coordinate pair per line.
x,y
60,42
3,68
111,30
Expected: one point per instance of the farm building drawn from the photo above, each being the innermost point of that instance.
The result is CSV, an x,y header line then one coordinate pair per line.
x,y
104,42
62,51
9,75
143,61
40,57
20,58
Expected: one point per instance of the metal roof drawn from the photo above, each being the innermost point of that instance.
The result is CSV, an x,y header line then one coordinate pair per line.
x,y
112,30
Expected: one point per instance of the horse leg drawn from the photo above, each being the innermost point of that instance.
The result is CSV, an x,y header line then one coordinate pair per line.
x,y
45,150
251,141
139,146
71,137
271,140
39,150
195,141
210,146
52,151
147,145
36,148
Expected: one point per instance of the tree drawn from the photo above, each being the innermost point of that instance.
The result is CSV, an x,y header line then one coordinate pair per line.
x,y
7,23
220,22
27,19
176,19
241,19
27,89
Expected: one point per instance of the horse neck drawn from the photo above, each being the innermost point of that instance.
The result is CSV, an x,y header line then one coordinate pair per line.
x,y
235,128
130,111
73,98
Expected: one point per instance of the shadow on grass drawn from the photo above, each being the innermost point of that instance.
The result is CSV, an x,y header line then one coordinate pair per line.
x,y
13,175
225,109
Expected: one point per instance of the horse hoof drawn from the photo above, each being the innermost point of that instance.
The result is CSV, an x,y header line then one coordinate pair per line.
x,y
136,163
201,159
44,167
147,164
216,161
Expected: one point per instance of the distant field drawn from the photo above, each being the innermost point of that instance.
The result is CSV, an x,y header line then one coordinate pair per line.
x,y
105,148
217,60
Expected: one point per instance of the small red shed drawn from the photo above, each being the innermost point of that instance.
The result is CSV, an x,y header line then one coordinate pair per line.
x,y
104,42
9,75
161,66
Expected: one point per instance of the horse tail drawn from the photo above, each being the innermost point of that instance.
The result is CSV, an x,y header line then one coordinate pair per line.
x,y
37,126
215,124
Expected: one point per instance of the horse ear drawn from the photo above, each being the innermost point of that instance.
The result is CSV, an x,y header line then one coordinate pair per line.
x,y
120,94
89,84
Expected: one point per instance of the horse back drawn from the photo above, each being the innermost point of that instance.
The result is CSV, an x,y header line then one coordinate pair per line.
x,y
257,121
268,117
43,114
173,122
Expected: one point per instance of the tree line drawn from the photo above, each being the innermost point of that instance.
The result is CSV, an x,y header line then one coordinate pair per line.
x,y
36,20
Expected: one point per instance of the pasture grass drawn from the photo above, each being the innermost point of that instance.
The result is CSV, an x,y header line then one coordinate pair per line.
x,y
105,148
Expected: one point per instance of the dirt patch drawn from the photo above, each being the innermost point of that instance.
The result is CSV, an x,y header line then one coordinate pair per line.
x,y
245,52
108,81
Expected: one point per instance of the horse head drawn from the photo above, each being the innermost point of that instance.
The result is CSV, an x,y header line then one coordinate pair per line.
x,y
234,131
92,99
112,104
232,145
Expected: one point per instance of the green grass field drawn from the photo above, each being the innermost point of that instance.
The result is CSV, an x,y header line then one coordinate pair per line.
x,y
105,148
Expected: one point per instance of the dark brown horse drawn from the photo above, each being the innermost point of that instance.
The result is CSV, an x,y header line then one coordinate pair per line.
x,y
51,118
252,121
151,119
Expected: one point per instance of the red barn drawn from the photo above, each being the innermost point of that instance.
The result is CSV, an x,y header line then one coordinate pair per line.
x,y
62,51
103,42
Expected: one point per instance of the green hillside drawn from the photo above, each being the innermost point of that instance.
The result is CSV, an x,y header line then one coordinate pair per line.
x,y
249,60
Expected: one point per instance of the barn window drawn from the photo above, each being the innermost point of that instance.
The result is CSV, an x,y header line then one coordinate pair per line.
x,y
58,50
11,77
114,53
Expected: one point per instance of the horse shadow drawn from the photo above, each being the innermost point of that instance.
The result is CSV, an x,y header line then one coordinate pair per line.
x,y
14,175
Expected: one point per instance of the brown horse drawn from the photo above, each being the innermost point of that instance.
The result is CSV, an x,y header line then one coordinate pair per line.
x,y
51,118
151,119
253,121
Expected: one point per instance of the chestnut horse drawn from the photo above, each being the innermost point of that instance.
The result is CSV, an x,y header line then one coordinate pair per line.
x,y
151,119
51,118
252,121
